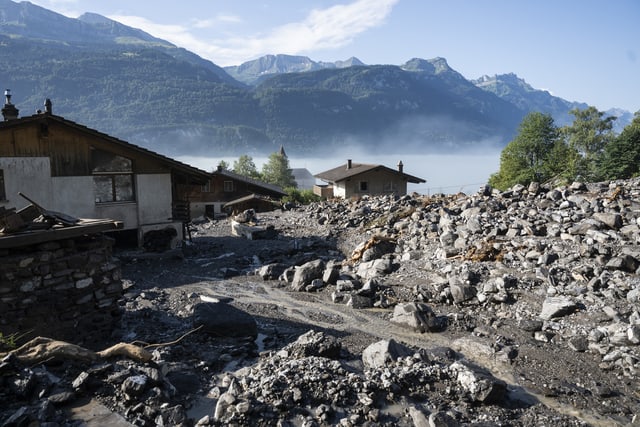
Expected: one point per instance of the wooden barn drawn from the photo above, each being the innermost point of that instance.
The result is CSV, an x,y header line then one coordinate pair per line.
x,y
227,191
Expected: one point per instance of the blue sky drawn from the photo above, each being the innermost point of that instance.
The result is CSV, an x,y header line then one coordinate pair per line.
x,y
580,50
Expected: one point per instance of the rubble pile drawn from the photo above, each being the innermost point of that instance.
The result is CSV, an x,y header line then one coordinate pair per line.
x,y
562,261
515,308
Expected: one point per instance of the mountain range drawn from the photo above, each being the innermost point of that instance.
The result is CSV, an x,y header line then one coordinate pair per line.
x,y
145,90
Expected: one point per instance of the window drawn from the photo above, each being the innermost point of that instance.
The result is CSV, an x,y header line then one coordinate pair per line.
x,y
364,186
389,187
112,177
228,186
3,192
206,188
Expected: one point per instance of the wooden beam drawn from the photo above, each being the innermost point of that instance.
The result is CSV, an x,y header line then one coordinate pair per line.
x,y
27,238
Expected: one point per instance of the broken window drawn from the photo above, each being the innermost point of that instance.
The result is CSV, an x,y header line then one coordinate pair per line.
x,y
112,177
228,186
364,186
3,192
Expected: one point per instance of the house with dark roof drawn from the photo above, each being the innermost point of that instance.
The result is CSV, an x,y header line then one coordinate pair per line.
x,y
359,179
67,167
227,191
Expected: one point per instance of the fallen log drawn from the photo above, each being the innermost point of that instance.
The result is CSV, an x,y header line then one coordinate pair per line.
x,y
41,349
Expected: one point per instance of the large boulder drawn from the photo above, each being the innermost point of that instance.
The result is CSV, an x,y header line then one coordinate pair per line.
x,y
416,315
223,320
481,386
306,273
378,354
313,343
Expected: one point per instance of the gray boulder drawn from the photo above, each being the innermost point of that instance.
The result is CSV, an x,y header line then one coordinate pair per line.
x,y
223,320
481,386
378,354
416,315
305,274
557,307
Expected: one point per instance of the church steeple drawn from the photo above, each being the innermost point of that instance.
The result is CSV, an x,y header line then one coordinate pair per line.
x,y
282,153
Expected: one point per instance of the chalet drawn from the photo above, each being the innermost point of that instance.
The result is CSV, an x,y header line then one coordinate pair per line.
x,y
359,179
67,167
226,192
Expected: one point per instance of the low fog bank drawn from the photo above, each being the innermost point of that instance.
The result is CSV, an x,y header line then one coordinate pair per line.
x,y
450,173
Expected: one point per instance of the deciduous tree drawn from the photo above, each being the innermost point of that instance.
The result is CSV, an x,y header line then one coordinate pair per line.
x,y
246,167
527,157
277,171
621,158
588,135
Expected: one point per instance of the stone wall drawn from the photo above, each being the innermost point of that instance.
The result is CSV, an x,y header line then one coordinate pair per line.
x,y
64,289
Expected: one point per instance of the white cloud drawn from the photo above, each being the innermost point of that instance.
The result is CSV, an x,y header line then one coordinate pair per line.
x,y
176,34
329,28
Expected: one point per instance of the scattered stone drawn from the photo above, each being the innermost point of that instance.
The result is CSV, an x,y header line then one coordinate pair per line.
x,y
553,307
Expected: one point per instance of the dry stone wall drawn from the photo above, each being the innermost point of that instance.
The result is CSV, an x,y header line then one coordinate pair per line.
x,y
65,289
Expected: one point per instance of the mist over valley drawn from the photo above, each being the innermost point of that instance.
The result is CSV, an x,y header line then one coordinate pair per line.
x,y
129,84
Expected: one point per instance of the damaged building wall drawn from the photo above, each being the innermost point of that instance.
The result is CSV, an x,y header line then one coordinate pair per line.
x,y
152,194
64,289
29,175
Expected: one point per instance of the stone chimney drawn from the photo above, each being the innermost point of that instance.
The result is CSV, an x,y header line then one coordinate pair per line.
x,y
400,167
9,111
48,106
348,163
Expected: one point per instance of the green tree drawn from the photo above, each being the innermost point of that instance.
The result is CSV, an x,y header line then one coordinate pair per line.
x,y
302,197
246,167
621,157
528,157
588,135
223,165
277,171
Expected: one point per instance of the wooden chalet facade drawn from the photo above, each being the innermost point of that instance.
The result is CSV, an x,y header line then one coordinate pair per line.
x,y
69,168
225,187
359,179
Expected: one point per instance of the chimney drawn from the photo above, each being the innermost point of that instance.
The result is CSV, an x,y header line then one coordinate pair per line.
x,y
348,163
9,111
47,106
400,166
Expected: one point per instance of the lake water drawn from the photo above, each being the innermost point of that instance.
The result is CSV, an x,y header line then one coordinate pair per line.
x,y
444,173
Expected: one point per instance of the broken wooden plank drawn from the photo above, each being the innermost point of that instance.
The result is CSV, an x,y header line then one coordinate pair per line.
x,y
62,218
28,238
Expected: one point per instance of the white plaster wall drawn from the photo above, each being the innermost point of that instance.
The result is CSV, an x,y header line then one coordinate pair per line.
x,y
29,175
153,193
339,189
74,195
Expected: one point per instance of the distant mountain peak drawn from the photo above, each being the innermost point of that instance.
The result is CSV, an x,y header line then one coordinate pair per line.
x,y
434,66
94,18
501,82
255,71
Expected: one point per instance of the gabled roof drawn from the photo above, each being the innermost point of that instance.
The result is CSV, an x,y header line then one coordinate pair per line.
x,y
344,171
251,197
172,163
232,175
